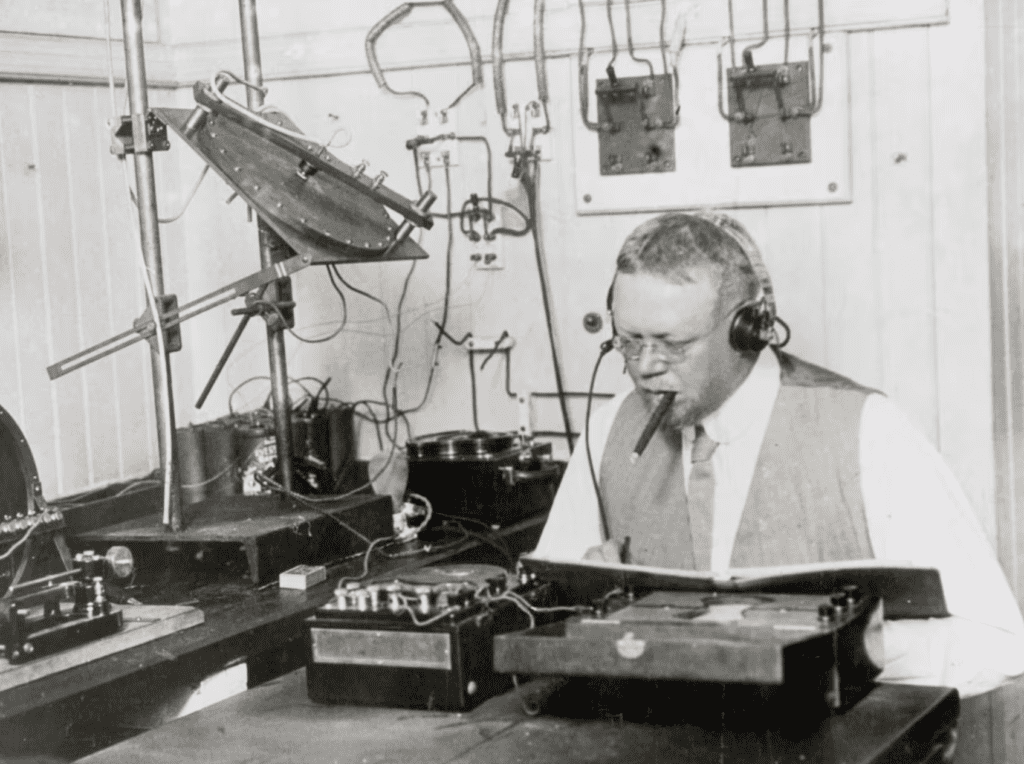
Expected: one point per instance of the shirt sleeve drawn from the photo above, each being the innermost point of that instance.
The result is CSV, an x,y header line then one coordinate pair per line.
x,y
916,511
574,522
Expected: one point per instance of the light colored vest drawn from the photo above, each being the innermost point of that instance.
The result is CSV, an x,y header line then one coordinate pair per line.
x,y
804,503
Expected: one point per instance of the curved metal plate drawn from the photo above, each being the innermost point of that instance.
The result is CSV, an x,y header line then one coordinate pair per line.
x,y
318,215
20,489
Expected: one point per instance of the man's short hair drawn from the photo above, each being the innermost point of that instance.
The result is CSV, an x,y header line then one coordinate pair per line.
x,y
673,245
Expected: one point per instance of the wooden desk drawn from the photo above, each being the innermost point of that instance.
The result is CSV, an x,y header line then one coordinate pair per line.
x,y
241,621
278,723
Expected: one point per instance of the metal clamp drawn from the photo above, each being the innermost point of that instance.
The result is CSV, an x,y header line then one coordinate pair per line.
x,y
176,316
123,139
513,476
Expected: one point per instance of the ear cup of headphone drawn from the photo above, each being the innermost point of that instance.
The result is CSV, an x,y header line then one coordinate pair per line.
x,y
751,327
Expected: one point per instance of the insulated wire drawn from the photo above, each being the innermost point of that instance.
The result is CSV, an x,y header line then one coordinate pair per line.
x,y
629,40
341,296
337,272
785,13
188,199
531,184
605,349
441,328
661,38
472,385
611,28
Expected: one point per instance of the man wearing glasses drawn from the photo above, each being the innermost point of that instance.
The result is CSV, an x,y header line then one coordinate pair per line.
x,y
764,459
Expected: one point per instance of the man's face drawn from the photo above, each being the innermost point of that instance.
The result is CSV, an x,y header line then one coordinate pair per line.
x,y
685,336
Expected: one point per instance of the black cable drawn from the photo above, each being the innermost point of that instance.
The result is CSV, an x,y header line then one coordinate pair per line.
x,y
470,208
490,171
341,296
472,387
372,416
398,342
508,373
530,183
451,242
527,221
486,538
606,347
333,267
268,305
615,44
460,521
416,163
321,391
441,328
492,351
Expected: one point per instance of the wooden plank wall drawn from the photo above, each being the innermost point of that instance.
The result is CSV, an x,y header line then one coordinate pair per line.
x,y
69,278
1004,85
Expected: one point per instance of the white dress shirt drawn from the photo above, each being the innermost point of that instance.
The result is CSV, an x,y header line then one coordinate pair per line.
x,y
915,512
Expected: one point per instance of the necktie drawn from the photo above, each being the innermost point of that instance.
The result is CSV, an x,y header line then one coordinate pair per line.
x,y
701,497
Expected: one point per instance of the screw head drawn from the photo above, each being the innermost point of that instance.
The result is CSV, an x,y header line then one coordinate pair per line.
x,y
593,322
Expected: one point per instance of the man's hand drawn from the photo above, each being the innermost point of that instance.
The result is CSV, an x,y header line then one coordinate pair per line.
x,y
609,551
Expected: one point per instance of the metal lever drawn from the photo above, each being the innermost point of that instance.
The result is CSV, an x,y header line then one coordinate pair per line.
x,y
229,348
189,310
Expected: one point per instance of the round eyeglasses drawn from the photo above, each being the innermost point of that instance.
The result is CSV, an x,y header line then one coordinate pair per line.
x,y
667,350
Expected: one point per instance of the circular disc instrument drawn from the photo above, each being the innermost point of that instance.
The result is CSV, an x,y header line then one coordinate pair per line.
x,y
318,204
20,489
476,575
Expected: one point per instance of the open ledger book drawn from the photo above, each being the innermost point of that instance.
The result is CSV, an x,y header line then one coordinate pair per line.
x,y
907,591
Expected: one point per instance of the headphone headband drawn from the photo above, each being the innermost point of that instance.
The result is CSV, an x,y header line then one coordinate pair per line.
x,y
742,239
753,325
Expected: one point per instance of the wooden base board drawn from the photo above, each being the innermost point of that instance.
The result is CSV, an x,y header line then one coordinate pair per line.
x,y
142,623
274,533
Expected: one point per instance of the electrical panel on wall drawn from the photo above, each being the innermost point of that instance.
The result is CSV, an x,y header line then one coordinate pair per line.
x,y
636,120
777,158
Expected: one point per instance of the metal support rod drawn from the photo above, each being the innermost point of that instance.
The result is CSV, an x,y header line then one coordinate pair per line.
x,y
272,249
145,184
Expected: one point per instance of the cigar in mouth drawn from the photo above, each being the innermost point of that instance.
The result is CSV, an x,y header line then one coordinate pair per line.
x,y
652,424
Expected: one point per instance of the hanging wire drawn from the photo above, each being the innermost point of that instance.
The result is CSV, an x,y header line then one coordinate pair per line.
x,y
399,13
615,44
661,39
583,78
785,14
333,267
748,52
817,93
539,65
732,37
498,64
441,327
188,198
629,40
